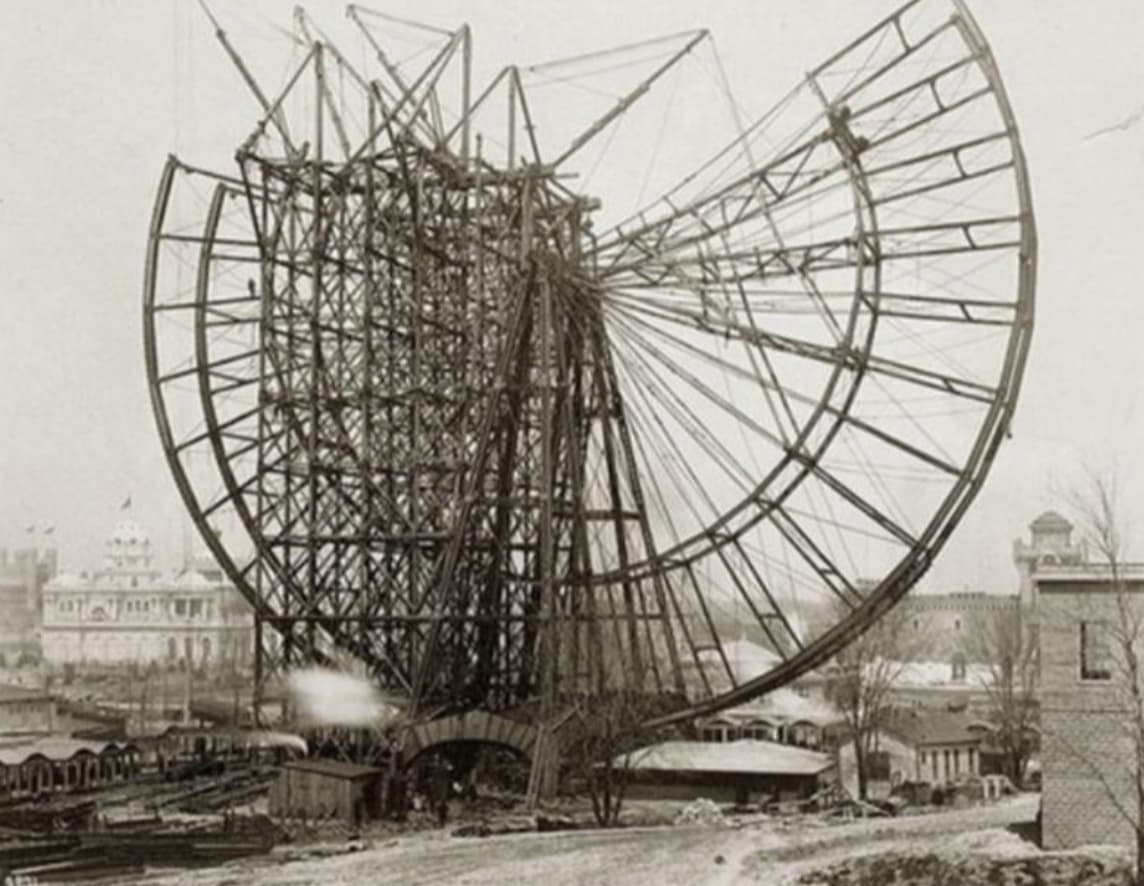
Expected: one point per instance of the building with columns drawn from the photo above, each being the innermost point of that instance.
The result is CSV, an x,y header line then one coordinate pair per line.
x,y
128,610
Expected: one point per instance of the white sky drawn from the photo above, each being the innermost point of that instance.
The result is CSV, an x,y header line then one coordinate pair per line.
x,y
95,93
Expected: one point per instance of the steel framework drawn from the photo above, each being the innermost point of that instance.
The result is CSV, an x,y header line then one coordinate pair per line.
x,y
422,411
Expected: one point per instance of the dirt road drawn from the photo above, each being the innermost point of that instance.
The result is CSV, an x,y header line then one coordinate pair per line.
x,y
763,852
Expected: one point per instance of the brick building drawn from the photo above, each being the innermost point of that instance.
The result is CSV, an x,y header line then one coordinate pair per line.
x,y
1086,749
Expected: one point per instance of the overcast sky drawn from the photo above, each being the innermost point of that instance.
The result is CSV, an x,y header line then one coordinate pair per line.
x,y
95,93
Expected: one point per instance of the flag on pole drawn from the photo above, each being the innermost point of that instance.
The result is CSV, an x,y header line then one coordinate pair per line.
x,y
126,504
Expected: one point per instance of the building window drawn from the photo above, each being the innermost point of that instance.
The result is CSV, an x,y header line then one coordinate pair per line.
x,y
196,608
957,624
180,607
879,765
1095,651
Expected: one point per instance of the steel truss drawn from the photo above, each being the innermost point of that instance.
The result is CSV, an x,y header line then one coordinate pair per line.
x,y
506,460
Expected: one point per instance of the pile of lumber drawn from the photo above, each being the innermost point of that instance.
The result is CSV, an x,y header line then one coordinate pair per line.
x,y
225,791
85,857
49,816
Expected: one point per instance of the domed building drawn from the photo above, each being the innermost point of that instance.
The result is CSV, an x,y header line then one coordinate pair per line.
x,y
130,611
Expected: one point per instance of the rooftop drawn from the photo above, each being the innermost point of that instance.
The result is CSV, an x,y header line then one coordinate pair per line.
x,y
333,768
1050,521
21,693
744,658
54,749
1092,573
782,705
939,674
746,756
933,727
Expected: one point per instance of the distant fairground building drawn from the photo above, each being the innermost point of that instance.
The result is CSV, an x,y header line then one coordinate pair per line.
x,y
23,574
131,611
947,620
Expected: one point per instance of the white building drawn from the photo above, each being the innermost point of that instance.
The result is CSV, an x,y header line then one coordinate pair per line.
x,y
131,611
933,746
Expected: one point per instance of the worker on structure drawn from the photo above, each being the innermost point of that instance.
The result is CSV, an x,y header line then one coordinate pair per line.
x,y
440,792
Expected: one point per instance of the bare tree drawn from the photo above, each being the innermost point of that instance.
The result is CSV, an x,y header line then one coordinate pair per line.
x,y
1005,640
861,679
1101,526
598,742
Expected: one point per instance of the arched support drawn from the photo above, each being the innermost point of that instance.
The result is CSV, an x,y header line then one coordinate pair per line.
x,y
486,728
479,726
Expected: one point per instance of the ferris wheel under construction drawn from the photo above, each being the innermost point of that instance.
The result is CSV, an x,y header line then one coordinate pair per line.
x,y
508,455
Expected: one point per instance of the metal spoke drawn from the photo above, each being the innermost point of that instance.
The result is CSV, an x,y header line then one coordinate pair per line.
x,y
510,459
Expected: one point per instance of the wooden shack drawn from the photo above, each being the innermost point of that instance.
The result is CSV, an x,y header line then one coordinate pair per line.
x,y
325,789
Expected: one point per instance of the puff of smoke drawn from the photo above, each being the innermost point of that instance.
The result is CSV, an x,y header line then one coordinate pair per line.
x,y
279,740
326,697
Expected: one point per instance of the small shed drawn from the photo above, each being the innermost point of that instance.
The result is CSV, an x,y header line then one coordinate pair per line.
x,y
322,789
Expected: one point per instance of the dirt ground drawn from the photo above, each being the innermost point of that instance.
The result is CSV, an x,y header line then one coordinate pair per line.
x,y
808,851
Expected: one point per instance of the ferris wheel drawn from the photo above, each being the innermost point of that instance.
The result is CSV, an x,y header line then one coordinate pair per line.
x,y
432,402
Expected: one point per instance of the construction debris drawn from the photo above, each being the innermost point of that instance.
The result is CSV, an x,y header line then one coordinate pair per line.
x,y
84,857
702,812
